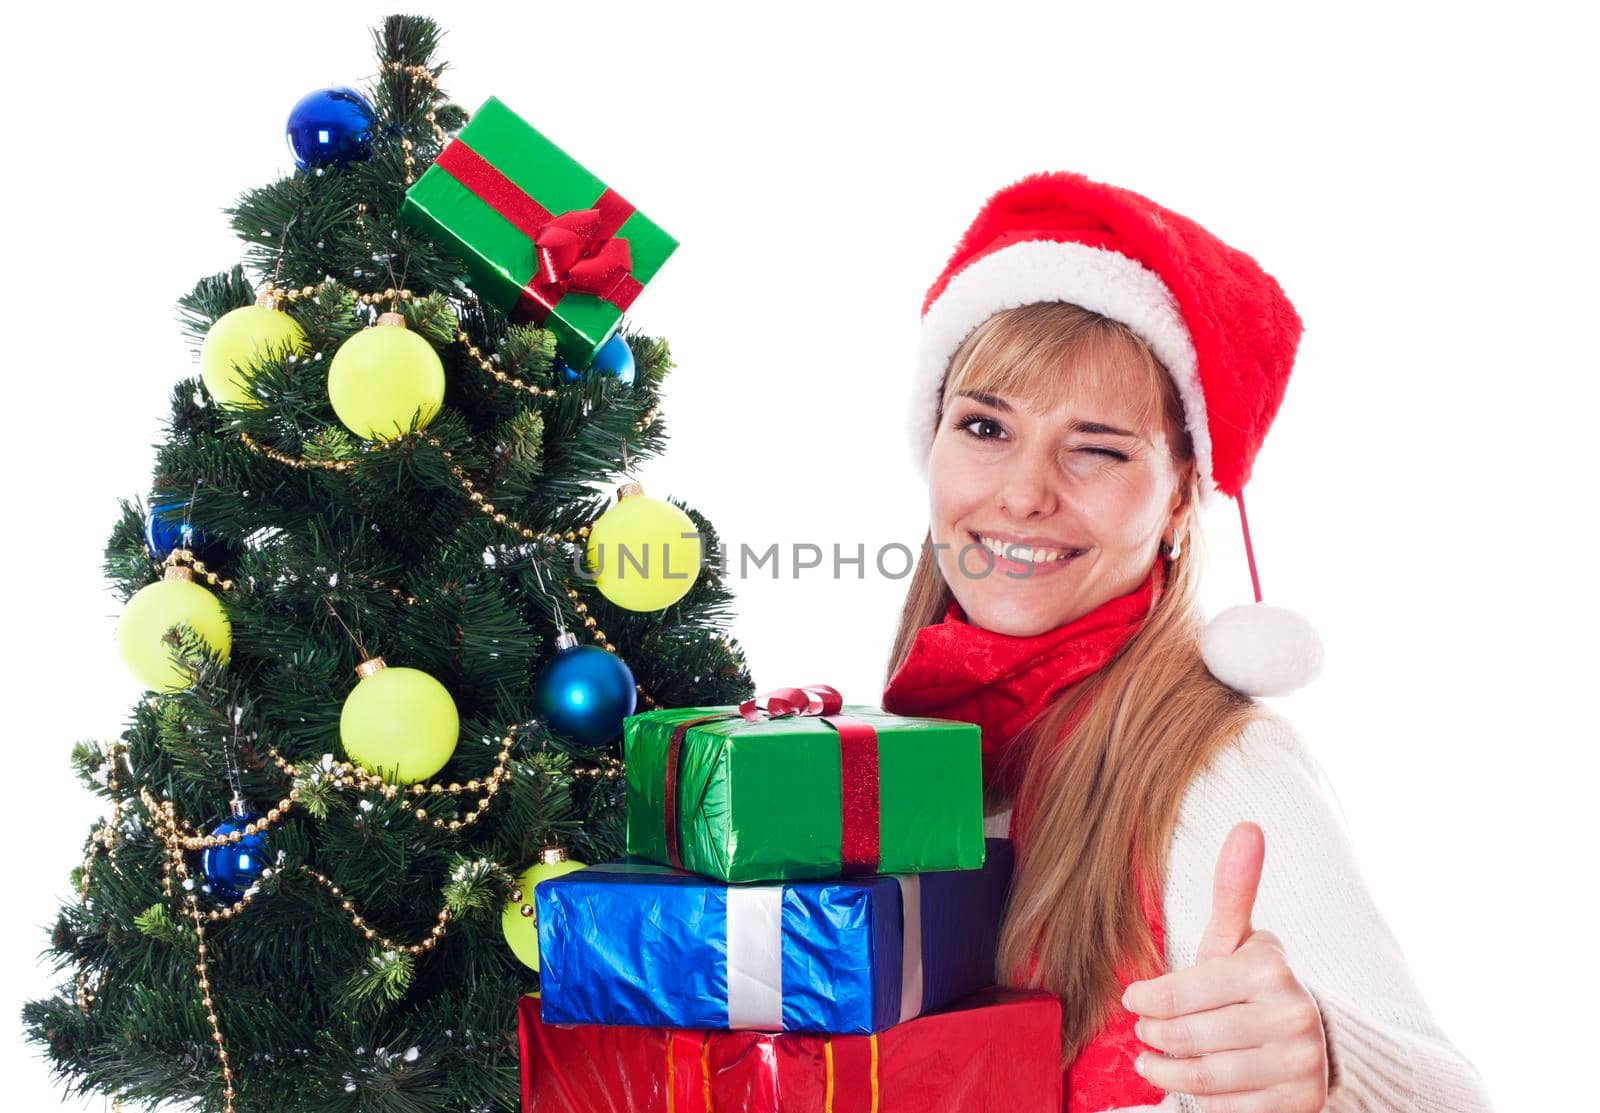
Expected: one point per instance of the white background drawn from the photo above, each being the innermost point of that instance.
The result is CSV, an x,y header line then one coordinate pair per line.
x,y
1418,179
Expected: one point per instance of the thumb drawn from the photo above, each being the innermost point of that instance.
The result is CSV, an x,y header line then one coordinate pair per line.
x,y
1233,891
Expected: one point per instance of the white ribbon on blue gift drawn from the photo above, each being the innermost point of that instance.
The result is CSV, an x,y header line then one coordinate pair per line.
x,y
910,945
755,953
755,956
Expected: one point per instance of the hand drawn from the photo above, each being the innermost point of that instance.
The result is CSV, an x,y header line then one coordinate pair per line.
x,y
1240,1031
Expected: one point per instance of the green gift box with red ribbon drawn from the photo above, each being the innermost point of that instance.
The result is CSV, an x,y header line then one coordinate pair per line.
x,y
543,240
796,784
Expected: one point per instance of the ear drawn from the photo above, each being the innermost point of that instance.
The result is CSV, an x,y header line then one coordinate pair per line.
x,y
1185,493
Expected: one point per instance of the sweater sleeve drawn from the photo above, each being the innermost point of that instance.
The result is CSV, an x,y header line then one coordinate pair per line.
x,y
1386,1052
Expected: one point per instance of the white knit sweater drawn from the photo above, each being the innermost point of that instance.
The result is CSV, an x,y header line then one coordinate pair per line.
x,y
1385,1049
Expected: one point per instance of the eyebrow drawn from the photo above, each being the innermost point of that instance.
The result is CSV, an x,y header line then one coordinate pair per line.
x,y
1077,426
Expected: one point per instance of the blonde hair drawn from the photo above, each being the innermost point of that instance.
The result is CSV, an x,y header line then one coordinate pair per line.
x,y
1100,801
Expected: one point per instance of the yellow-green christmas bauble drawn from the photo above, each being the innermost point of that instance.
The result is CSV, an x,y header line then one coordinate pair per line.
x,y
381,377
645,553
518,921
398,722
152,611
242,338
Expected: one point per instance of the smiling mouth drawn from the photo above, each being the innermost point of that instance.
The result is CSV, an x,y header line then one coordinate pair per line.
x,y
1022,554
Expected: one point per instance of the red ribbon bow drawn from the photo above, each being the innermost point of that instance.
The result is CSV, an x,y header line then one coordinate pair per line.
x,y
858,769
780,703
575,253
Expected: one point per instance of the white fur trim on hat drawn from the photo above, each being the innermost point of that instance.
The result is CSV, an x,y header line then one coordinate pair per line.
x,y
1106,282
1261,650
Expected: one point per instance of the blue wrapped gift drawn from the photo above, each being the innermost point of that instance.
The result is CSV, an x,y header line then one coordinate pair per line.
x,y
632,942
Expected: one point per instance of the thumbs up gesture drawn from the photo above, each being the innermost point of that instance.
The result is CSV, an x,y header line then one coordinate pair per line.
x,y
1239,1030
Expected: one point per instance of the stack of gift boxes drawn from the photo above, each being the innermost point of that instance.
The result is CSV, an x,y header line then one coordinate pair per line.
x,y
805,921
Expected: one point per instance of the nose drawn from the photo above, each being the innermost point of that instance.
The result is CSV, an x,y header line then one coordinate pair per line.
x,y
1027,489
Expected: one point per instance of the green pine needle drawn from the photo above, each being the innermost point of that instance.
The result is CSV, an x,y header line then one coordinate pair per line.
x,y
155,923
384,978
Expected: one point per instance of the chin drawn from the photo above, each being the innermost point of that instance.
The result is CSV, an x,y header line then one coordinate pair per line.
x,y
1014,618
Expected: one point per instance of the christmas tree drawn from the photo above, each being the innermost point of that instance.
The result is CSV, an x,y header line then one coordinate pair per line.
x,y
307,890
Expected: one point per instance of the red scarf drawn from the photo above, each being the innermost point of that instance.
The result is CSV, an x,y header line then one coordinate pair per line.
x,y
956,670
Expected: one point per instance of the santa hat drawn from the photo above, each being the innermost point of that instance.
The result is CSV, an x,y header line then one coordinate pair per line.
x,y
1219,324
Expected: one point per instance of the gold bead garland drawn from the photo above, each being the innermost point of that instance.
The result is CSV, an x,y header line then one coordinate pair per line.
x,y
548,856
648,419
279,294
103,837
487,366
259,827
300,463
577,604
408,600
343,771
228,912
457,472
484,363
174,876
406,145
478,499
371,933
425,76
184,558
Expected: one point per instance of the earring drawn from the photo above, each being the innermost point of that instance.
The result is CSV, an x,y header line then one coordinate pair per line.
x,y
1174,550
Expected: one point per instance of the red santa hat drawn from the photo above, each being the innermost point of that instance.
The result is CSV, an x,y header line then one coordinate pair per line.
x,y
1219,324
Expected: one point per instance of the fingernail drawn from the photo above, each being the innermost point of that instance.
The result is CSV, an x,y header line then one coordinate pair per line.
x,y
1138,1030
1138,1064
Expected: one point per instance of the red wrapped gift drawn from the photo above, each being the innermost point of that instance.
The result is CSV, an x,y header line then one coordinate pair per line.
x,y
997,1051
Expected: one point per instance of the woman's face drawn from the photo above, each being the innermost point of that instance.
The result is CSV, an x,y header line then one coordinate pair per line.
x,y
1084,493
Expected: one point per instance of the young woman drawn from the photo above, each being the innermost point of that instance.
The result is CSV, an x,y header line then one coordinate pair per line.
x,y
1095,368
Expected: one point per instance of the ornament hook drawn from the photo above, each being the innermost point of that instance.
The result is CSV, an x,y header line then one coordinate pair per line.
x,y
563,637
355,637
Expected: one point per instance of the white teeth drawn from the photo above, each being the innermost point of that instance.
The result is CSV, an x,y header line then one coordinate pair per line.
x,y
1012,551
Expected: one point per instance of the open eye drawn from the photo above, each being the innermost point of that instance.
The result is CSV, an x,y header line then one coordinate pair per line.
x,y
967,423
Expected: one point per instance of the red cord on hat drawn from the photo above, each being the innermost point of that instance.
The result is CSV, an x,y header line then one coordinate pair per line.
x,y
1250,555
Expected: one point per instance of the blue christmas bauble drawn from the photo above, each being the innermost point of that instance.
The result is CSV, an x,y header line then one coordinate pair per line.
x,y
585,693
234,867
167,527
613,358
329,127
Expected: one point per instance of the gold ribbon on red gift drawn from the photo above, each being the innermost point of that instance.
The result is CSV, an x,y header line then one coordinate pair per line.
x,y
575,251
858,1095
858,768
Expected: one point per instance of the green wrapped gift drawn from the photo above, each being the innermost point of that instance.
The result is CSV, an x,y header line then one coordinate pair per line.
x,y
544,241
795,784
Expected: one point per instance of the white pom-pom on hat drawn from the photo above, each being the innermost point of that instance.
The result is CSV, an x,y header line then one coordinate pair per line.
x,y
1261,650
1257,648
